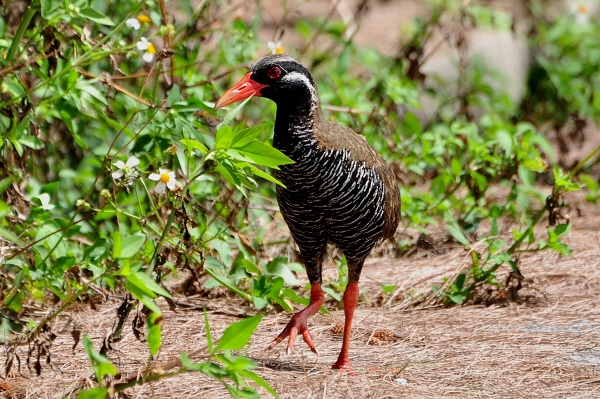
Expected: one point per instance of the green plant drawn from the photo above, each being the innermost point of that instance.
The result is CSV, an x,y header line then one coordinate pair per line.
x,y
231,371
106,186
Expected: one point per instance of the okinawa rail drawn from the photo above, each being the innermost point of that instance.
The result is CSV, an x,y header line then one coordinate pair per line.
x,y
338,190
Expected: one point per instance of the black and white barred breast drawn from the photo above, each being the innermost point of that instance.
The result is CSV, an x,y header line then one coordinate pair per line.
x,y
331,197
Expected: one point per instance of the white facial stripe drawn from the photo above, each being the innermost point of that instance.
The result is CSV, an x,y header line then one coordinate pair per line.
x,y
297,76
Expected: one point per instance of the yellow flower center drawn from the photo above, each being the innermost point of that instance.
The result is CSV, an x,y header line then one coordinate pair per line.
x,y
151,49
279,50
144,19
165,178
582,9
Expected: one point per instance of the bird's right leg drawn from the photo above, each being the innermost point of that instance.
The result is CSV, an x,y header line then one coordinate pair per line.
x,y
312,241
298,323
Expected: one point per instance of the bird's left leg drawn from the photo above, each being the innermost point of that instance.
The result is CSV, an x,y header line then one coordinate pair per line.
x,y
350,302
298,323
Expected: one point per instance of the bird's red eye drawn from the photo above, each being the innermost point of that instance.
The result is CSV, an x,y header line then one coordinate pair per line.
x,y
274,72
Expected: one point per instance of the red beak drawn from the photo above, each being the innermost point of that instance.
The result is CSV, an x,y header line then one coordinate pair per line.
x,y
240,91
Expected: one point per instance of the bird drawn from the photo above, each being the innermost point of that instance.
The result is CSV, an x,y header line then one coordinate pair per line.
x,y
338,190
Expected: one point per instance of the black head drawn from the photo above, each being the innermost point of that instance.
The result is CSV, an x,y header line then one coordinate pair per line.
x,y
278,77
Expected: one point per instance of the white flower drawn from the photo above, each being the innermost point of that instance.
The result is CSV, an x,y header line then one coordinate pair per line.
x,y
582,10
125,168
165,179
133,23
136,23
275,47
148,48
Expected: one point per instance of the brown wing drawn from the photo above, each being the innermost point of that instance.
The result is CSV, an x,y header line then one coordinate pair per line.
x,y
331,135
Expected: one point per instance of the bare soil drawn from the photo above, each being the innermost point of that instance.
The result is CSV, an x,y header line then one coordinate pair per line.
x,y
543,346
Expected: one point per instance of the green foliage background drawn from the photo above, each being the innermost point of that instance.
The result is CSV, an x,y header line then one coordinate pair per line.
x,y
77,97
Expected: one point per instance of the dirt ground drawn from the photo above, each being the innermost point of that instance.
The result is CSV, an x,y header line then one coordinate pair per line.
x,y
546,346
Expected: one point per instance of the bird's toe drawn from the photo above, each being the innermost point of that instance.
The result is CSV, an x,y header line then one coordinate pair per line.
x,y
297,325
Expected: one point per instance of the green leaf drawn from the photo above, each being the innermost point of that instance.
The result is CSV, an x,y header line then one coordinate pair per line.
x,y
259,302
100,363
216,273
456,167
20,129
88,87
95,16
46,6
97,250
194,145
15,303
259,173
93,393
146,284
232,114
456,232
263,154
245,136
223,137
128,246
535,164
237,363
291,294
388,288
209,341
187,363
16,40
5,183
174,96
211,369
145,299
457,298
304,29
141,293
279,267
151,284
275,290
154,339
331,292
562,229
237,335
505,140
31,142
258,381
459,283
226,173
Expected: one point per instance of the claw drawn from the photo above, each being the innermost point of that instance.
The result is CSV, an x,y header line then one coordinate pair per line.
x,y
297,324
308,339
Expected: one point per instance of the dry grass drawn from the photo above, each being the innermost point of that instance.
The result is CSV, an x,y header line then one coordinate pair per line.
x,y
545,347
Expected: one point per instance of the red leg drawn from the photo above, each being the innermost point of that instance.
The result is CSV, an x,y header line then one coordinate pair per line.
x,y
350,302
297,324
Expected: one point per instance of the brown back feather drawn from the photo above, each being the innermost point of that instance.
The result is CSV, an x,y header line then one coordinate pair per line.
x,y
333,136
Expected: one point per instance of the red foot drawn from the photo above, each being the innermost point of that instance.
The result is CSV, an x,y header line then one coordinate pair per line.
x,y
297,325
343,365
